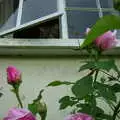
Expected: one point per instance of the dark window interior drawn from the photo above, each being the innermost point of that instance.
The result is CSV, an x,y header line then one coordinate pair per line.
x,y
49,29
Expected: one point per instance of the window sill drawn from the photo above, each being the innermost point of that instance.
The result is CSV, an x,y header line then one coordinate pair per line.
x,y
44,47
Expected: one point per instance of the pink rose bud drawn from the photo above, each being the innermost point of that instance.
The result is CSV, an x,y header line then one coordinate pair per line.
x,y
105,41
13,75
79,116
19,114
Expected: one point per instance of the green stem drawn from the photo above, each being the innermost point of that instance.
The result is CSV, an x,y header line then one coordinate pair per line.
x,y
116,111
17,95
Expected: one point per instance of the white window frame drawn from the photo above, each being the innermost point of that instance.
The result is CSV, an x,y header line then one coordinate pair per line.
x,y
60,12
62,46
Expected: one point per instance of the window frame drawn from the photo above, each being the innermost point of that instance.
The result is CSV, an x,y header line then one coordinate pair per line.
x,y
34,47
59,13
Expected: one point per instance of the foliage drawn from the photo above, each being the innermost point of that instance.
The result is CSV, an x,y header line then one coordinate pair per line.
x,y
38,106
109,22
99,82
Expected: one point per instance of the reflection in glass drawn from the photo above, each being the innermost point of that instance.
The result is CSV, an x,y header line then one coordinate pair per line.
x,y
78,21
106,3
34,9
81,3
8,14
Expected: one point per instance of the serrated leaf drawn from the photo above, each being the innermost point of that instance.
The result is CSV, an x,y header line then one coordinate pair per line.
x,y
82,87
98,112
58,83
109,22
116,87
65,102
105,91
106,65
88,65
86,108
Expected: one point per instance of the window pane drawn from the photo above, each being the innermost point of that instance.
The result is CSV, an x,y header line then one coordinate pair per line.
x,y
78,21
81,3
34,9
8,14
106,3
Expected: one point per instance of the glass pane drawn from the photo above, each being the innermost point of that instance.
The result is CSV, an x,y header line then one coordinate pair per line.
x,y
8,14
81,3
106,3
78,21
34,9
115,13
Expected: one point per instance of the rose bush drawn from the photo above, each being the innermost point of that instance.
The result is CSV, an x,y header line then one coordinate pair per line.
x,y
36,107
106,41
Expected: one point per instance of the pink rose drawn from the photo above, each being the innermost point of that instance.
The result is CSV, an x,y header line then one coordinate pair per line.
x,y
79,116
19,114
106,40
13,75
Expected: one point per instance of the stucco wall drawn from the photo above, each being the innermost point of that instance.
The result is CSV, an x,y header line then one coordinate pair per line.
x,y
36,74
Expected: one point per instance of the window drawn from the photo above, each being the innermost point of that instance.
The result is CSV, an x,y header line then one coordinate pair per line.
x,y
17,15
84,13
8,14
57,19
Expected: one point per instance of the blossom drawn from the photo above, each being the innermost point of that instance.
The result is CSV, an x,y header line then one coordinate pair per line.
x,y
105,41
79,116
13,75
19,114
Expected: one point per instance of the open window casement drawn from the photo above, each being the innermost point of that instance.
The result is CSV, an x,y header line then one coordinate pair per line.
x,y
18,14
22,18
73,16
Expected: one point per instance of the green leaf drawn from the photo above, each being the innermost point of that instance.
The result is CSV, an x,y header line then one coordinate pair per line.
x,y
33,108
98,112
116,87
105,91
109,22
65,102
88,65
82,87
106,65
38,106
58,83
116,4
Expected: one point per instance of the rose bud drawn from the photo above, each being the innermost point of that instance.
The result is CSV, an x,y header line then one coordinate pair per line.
x,y
13,75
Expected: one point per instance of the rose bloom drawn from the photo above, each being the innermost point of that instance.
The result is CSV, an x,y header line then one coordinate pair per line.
x,y
19,114
13,75
105,41
79,116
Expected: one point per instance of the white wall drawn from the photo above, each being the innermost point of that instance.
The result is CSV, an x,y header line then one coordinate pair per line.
x,y
36,74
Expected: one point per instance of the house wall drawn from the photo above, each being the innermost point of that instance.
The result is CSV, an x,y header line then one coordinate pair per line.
x,y
37,72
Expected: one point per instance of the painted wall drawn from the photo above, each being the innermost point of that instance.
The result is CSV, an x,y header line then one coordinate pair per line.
x,y
36,74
